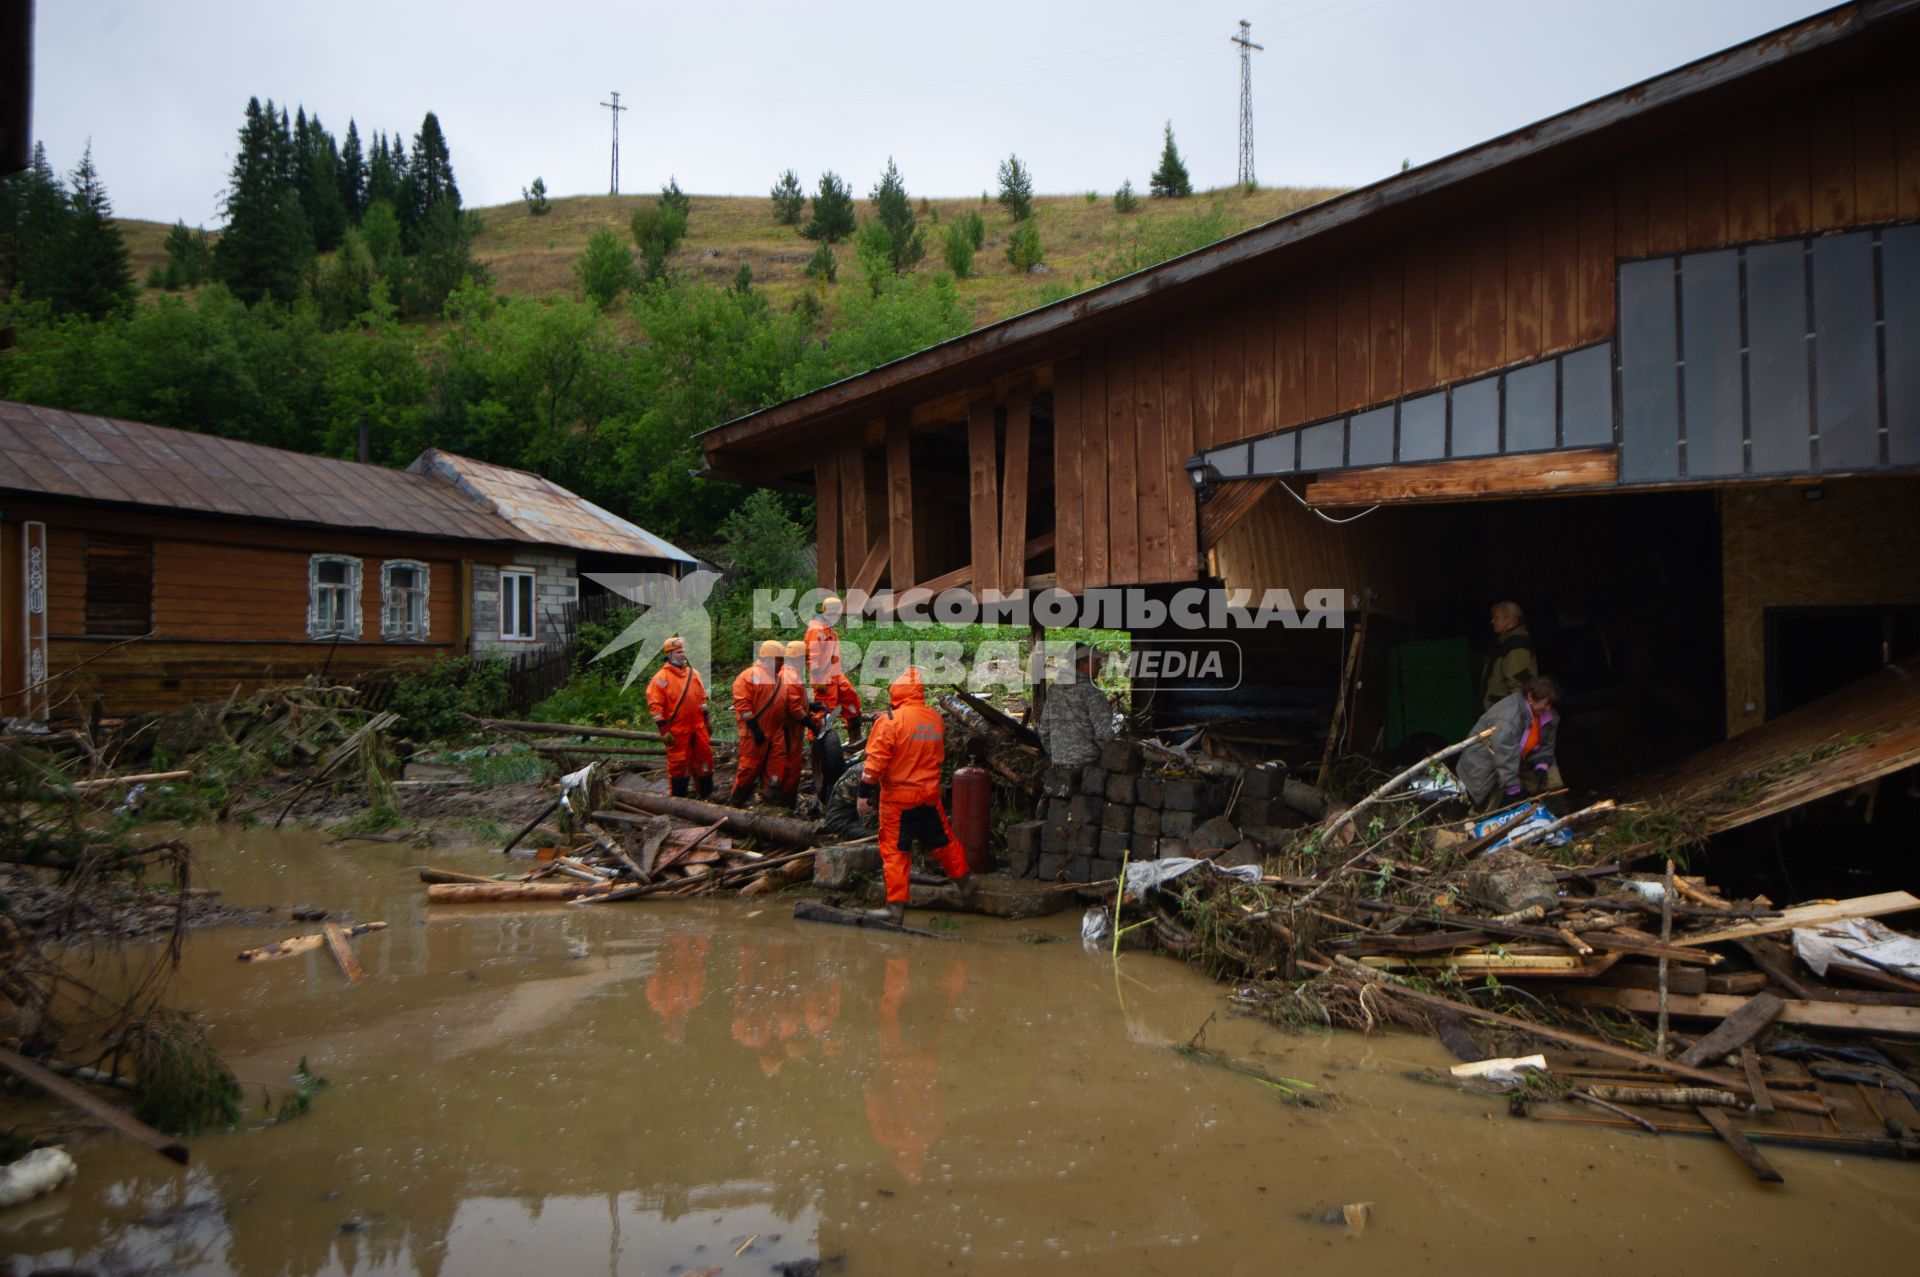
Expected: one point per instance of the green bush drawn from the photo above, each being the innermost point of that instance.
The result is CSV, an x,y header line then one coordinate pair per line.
x,y
658,230
976,228
822,267
1153,240
873,249
1124,200
957,244
1023,246
761,543
432,696
671,196
605,270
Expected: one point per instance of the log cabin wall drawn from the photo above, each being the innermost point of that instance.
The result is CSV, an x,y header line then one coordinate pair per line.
x,y
228,605
1857,545
1506,283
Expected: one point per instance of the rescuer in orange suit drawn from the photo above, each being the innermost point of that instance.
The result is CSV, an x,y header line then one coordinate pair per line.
x,y
760,712
905,1107
789,748
905,753
677,699
831,689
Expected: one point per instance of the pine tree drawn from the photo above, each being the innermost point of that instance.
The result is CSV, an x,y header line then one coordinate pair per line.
x,y
353,175
1016,188
189,257
97,275
383,181
788,199
832,219
432,166
1170,180
538,205
33,229
907,244
265,246
319,186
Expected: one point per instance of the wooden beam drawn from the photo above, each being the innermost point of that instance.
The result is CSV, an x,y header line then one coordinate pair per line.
x,y
1718,1006
1466,480
826,521
983,513
1809,916
92,1105
867,579
1231,503
1068,450
343,953
1742,1147
854,531
1039,545
1734,1032
1013,492
900,497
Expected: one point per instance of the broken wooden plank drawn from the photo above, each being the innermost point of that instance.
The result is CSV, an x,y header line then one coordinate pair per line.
x,y
343,953
1775,961
1734,1032
1808,916
92,1105
1756,1081
1716,1006
1742,1147
819,911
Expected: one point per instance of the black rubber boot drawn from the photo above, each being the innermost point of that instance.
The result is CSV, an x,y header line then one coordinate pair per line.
x,y
677,786
706,787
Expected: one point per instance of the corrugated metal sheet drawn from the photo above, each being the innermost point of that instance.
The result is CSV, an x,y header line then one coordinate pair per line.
x,y
541,510
49,452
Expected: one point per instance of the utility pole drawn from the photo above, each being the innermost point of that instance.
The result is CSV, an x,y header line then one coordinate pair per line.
x,y
616,108
1247,46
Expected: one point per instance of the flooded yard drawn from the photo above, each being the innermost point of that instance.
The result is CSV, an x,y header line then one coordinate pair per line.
x,y
649,1088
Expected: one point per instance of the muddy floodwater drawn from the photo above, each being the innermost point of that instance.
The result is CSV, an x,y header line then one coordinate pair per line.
x,y
648,1088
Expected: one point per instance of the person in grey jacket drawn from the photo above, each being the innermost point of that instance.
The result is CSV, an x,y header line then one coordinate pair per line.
x,y
1519,757
1077,720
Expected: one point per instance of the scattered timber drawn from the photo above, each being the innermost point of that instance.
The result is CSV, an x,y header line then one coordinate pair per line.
x,y
1809,916
780,829
1718,1006
92,1105
293,945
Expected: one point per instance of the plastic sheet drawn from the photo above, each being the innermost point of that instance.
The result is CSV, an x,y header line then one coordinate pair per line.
x,y
1143,876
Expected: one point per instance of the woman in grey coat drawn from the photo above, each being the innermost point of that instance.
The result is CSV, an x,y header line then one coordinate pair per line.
x,y
1526,729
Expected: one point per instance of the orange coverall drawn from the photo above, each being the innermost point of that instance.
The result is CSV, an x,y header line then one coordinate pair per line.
x,y
787,751
831,689
758,705
904,756
677,699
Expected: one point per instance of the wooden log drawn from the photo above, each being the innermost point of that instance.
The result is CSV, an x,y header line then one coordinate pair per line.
x,y
143,778
1469,478
819,911
707,879
343,953
1809,916
1579,1041
1734,1032
301,944
92,1105
430,874
469,893
1683,1096
796,833
1615,1109
566,729
1742,1147
627,751
1715,1006
772,880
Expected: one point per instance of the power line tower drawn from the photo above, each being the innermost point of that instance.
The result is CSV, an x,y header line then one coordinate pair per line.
x,y
1247,46
616,108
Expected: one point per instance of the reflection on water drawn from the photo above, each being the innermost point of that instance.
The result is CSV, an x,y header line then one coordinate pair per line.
x,y
646,1088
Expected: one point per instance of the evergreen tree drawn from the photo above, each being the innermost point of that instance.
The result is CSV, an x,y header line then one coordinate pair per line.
x,y
432,166
266,246
383,180
788,199
97,277
353,175
538,205
1170,180
320,197
907,244
832,219
1016,189
189,257
671,196
34,216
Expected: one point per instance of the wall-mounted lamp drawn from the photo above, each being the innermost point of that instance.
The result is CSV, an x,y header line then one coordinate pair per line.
x,y
1203,476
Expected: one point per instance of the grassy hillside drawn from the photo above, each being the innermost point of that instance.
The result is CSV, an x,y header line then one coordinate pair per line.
x,y
534,255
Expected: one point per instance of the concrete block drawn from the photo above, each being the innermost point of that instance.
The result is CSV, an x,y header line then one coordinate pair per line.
x,y
1259,782
837,867
1218,832
1115,843
1176,824
1093,780
1150,791
1054,839
1081,869
1058,782
1082,840
1120,788
1181,795
1146,822
1241,853
1084,809
1116,816
1051,868
1059,811
1024,837
1252,811
1020,864
1122,756
1173,849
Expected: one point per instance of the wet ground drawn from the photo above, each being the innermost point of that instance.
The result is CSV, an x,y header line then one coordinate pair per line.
x,y
647,1088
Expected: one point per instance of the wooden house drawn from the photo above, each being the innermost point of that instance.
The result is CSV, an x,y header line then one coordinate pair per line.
x,y
143,568
1650,367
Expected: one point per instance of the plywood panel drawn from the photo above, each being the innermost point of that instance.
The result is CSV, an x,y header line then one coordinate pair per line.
x,y
1069,454
1525,282
1177,410
1600,231
1279,545
1150,461
1789,183
1707,191
1560,267
1667,200
1831,165
1123,503
1874,179
1319,320
1384,309
1419,317
1351,363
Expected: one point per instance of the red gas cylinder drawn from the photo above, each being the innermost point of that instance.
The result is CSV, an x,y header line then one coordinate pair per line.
x,y
972,814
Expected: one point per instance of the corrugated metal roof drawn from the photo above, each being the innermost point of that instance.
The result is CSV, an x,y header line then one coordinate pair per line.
x,y
544,511
56,453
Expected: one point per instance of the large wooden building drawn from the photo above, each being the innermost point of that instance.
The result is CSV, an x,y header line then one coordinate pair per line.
x,y
143,567
1650,366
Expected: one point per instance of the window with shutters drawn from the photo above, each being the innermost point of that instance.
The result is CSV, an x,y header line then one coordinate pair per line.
x,y
119,584
333,597
403,600
516,603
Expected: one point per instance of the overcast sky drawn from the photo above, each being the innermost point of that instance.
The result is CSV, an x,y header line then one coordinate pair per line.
x,y
726,98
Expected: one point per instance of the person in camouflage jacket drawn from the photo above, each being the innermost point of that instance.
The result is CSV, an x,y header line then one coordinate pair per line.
x,y
1077,720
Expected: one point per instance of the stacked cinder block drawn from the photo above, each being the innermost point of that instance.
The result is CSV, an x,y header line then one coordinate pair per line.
x,y
1110,810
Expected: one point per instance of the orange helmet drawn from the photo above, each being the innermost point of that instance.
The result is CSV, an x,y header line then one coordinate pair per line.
x,y
797,650
773,648
674,643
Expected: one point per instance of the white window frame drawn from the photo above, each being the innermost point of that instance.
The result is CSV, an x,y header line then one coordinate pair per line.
x,y
349,629
393,625
507,609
